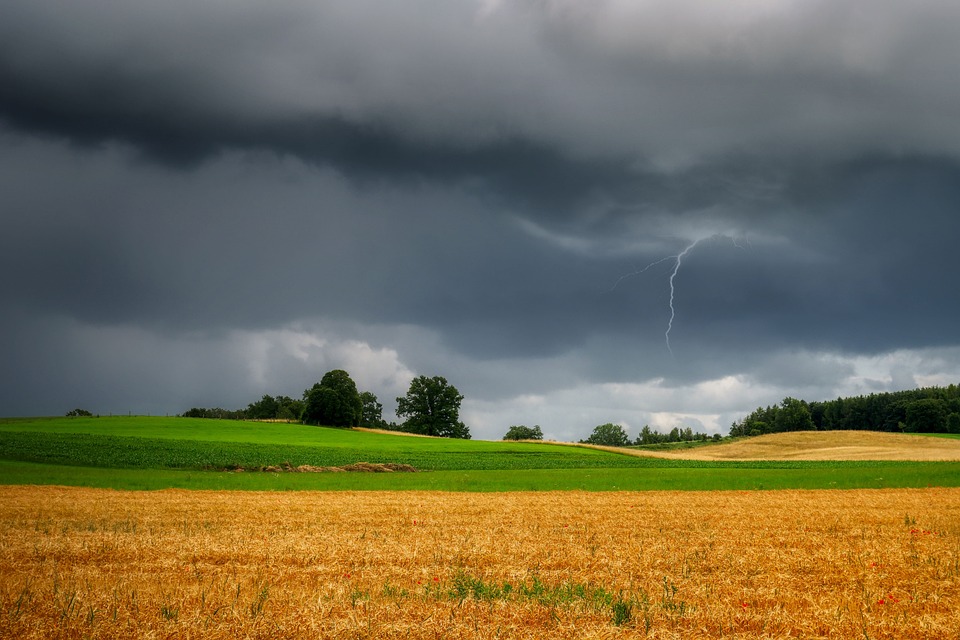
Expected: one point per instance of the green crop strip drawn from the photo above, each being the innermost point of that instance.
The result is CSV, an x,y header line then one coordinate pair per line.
x,y
625,479
94,450
127,452
156,453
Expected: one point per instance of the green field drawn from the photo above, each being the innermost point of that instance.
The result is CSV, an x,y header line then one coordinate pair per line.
x,y
159,453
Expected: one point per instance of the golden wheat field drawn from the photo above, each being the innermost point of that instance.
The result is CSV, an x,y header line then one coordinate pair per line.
x,y
85,563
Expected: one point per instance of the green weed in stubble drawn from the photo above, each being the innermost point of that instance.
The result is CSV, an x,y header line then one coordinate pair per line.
x,y
566,595
622,612
669,602
169,611
23,600
256,607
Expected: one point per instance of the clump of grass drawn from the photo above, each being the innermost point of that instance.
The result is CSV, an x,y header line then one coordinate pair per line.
x,y
622,612
169,611
256,607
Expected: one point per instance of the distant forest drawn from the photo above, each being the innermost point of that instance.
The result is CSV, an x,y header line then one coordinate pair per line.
x,y
267,408
927,410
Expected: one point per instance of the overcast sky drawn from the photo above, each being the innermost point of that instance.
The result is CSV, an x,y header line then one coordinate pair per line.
x,y
663,212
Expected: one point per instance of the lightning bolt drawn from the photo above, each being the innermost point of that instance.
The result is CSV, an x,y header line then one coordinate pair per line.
x,y
677,262
639,271
673,275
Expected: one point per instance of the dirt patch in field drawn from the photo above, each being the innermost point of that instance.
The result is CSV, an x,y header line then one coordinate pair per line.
x,y
390,432
824,445
357,467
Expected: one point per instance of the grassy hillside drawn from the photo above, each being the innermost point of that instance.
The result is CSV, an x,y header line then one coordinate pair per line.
x,y
156,453
191,443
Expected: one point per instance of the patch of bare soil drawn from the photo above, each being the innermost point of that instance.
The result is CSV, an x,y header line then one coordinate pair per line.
x,y
390,433
361,467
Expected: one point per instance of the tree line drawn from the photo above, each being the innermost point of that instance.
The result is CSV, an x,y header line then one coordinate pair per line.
x,y
614,435
923,410
430,407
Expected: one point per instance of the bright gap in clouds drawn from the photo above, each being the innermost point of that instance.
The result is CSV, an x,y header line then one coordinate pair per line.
x,y
710,406
231,370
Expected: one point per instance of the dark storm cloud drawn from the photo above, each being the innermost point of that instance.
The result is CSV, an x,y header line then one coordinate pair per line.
x,y
180,111
491,189
529,174
557,105
868,268
188,251
246,242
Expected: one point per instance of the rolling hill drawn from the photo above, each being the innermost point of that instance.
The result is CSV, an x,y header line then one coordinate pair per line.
x,y
158,453
827,445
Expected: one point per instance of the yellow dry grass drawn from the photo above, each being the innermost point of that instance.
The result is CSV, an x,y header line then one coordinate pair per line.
x,y
812,445
79,563
832,445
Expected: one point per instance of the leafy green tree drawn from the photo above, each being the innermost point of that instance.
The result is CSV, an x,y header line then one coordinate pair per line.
x,y
79,413
217,413
760,421
953,423
522,432
432,407
758,428
288,408
794,415
322,406
647,436
371,412
610,435
264,409
334,401
926,416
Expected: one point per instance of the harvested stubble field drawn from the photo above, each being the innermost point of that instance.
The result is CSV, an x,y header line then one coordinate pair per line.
x,y
77,563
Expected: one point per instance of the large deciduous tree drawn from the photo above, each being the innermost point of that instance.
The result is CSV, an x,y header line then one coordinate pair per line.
x,y
610,435
264,409
523,432
371,411
794,415
288,408
334,401
926,416
432,407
